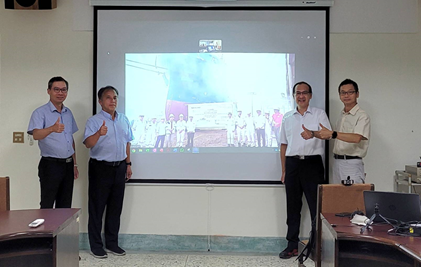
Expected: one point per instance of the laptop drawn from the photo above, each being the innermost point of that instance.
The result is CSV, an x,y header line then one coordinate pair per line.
x,y
393,206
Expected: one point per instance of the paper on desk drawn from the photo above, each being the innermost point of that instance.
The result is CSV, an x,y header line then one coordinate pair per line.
x,y
359,220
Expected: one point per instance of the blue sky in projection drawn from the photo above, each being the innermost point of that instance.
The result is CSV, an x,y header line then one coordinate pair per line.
x,y
206,77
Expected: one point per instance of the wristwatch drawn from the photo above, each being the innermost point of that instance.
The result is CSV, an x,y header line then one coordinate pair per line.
x,y
334,135
129,163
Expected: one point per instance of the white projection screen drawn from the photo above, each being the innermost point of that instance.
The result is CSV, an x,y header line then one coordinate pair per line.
x,y
205,89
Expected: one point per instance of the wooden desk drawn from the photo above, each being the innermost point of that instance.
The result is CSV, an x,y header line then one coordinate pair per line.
x,y
4,193
55,243
343,245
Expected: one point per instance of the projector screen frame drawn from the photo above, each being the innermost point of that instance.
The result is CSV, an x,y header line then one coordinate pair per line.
x,y
326,9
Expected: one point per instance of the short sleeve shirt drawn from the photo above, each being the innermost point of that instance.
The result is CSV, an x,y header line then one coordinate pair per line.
x,y
56,145
355,121
292,128
112,146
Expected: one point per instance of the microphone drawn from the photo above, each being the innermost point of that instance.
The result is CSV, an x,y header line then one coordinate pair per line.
x,y
348,181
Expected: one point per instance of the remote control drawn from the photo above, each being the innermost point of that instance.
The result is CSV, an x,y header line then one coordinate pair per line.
x,y
36,223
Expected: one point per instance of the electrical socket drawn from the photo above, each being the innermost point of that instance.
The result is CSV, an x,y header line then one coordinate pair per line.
x,y
18,137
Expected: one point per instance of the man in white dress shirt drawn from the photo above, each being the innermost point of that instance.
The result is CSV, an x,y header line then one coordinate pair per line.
x,y
302,164
260,122
250,130
181,130
230,130
240,125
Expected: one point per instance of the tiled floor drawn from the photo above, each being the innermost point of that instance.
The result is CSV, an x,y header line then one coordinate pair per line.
x,y
136,259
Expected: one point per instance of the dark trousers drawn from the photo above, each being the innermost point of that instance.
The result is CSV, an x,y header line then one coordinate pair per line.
x,y
106,191
56,180
190,137
261,135
301,176
160,139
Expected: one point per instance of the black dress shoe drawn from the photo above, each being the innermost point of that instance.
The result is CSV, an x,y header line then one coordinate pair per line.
x,y
288,253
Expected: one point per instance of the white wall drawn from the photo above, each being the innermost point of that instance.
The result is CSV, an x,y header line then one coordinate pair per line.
x,y
387,68
36,45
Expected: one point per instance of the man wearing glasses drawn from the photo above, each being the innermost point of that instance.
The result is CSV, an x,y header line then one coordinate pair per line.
x,y
352,136
301,158
53,125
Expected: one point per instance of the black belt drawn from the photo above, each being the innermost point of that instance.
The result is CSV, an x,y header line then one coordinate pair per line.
x,y
68,160
304,157
109,163
345,157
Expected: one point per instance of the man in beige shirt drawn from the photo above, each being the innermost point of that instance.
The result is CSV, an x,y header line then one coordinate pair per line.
x,y
352,136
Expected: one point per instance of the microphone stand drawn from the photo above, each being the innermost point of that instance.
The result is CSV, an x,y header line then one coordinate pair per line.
x,y
375,214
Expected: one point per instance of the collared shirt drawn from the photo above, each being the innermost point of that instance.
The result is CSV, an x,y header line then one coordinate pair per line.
x,y
180,125
191,126
277,119
268,124
170,127
249,123
355,121
112,146
139,126
240,122
161,128
151,128
56,145
230,124
292,128
260,122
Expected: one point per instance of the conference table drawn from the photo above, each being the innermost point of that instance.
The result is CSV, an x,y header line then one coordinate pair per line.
x,y
344,245
54,243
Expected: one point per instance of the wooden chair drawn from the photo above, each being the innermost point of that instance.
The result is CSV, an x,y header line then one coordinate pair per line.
x,y
337,198
4,194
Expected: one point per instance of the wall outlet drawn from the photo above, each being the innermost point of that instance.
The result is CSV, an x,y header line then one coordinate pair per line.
x,y
18,137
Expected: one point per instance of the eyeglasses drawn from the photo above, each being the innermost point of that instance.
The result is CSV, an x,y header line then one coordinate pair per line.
x,y
346,93
302,93
57,90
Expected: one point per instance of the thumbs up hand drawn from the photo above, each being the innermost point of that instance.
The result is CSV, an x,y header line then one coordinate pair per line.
x,y
325,133
58,127
103,129
306,134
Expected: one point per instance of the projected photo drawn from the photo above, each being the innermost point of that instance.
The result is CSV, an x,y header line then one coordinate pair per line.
x,y
209,46
208,100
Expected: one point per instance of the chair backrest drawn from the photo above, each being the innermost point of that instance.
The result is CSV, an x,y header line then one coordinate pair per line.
x,y
335,198
4,194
